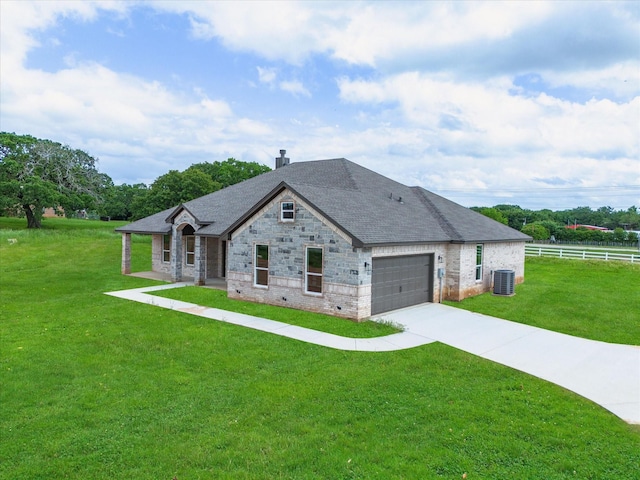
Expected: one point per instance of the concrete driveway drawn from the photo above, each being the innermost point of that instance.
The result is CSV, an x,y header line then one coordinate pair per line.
x,y
608,374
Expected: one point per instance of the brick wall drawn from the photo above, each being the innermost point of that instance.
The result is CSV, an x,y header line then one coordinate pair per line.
x,y
461,278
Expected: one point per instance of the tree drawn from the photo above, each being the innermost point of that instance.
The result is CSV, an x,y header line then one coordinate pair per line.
x,y
172,189
536,231
580,215
553,227
629,219
493,213
619,235
231,171
516,216
36,174
120,200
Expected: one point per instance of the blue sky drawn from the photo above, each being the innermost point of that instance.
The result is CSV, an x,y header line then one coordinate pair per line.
x,y
528,103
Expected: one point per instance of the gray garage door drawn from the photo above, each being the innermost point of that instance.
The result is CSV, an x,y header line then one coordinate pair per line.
x,y
399,282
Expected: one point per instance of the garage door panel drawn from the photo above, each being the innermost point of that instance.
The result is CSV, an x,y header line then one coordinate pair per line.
x,y
399,282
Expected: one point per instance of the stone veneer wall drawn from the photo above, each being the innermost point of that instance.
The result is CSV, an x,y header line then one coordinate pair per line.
x,y
346,281
214,258
157,265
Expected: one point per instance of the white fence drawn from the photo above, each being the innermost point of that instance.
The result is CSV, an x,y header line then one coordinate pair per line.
x,y
532,250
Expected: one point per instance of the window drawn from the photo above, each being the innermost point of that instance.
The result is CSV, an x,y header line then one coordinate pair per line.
x,y
166,248
478,263
287,211
313,277
190,250
261,266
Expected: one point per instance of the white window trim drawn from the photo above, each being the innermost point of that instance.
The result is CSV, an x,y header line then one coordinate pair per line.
x,y
256,267
313,274
166,250
283,211
187,252
479,268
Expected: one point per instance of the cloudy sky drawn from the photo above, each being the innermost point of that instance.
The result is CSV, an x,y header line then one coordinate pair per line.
x,y
528,103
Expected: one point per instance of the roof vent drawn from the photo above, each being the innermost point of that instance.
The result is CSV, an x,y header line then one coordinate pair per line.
x,y
281,161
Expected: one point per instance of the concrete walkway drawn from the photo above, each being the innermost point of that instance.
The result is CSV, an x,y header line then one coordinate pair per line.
x,y
608,374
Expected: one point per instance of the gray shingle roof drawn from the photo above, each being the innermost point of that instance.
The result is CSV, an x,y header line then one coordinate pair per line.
x,y
371,208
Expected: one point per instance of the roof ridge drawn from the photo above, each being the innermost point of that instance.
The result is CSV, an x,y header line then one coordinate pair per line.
x,y
444,223
347,166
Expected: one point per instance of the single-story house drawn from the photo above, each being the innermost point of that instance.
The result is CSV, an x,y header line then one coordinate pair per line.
x,y
330,236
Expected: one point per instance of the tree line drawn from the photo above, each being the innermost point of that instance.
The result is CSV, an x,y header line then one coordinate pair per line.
x,y
556,225
132,202
37,173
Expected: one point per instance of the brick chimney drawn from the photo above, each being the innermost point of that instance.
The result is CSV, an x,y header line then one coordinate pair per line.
x,y
281,161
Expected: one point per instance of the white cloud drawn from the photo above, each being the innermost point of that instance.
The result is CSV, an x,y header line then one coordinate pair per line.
x,y
269,76
491,138
275,30
294,87
418,113
379,31
486,116
620,80
357,32
266,75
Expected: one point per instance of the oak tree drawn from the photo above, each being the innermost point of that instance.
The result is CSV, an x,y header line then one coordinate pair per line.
x,y
36,174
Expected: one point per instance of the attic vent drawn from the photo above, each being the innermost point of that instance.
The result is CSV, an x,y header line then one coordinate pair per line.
x,y
281,161
503,282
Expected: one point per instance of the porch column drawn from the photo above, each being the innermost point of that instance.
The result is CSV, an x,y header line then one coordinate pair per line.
x,y
201,261
176,254
126,253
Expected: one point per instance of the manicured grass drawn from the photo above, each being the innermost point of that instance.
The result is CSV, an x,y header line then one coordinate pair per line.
x,y
587,298
97,387
325,323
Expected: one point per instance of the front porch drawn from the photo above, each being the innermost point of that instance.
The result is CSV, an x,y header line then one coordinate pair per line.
x,y
182,258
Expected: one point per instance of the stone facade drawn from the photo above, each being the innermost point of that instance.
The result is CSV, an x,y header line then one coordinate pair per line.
x,y
157,262
346,282
212,255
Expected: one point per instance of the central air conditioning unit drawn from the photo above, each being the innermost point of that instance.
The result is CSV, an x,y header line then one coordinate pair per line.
x,y
504,282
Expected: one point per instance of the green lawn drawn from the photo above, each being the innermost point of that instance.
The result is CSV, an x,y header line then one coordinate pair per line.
x,y
326,323
97,387
587,298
